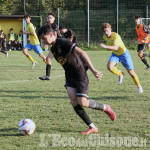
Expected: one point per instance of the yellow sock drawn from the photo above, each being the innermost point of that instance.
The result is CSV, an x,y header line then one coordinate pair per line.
x,y
116,71
149,49
31,59
136,80
45,61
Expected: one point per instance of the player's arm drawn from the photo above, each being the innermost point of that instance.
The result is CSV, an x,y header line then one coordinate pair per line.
x,y
114,47
70,39
28,33
145,40
134,39
5,37
70,35
31,29
85,57
49,58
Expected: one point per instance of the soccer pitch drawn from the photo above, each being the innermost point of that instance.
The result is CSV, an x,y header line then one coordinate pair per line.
x,y
22,95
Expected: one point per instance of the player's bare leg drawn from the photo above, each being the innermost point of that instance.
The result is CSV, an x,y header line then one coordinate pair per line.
x,y
77,102
141,55
80,111
111,66
25,51
43,57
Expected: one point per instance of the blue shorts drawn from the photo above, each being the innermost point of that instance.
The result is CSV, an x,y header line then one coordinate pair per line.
x,y
125,59
36,48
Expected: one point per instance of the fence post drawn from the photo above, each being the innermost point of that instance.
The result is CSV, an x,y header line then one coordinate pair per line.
x,y
147,15
117,15
88,20
24,35
58,17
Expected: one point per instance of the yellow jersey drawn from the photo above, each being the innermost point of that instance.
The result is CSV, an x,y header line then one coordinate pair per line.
x,y
115,39
33,38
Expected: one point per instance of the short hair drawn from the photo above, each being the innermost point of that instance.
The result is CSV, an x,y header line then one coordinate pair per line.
x,y
52,14
44,30
26,16
137,17
11,29
105,25
62,27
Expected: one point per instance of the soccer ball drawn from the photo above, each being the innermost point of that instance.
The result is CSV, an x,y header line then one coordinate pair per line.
x,y
26,127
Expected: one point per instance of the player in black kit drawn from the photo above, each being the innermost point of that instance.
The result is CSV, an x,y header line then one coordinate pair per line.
x,y
66,53
51,21
69,34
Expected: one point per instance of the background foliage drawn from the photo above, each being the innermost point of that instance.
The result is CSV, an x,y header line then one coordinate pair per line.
x,y
73,14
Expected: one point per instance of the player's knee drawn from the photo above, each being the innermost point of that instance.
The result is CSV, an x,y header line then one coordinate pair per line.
x,y
48,60
109,67
74,103
25,51
140,55
82,102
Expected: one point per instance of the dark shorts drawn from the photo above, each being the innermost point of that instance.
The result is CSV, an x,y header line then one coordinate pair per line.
x,y
12,42
81,86
140,47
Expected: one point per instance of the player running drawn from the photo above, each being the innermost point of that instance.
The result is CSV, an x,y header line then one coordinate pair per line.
x,y
66,53
34,42
143,38
119,54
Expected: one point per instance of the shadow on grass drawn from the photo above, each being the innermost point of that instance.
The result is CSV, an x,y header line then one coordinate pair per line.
x,y
59,130
110,98
55,97
10,130
30,93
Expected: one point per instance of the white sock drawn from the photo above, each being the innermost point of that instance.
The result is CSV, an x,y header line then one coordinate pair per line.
x,y
104,106
92,125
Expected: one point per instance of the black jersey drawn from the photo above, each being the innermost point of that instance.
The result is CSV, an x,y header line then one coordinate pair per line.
x,y
71,34
55,28
2,37
63,51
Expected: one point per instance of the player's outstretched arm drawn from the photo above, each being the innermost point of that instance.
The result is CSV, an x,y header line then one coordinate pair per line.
x,y
114,47
134,39
85,57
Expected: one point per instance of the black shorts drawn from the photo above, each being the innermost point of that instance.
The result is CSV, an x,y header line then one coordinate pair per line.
x,y
81,86
140,47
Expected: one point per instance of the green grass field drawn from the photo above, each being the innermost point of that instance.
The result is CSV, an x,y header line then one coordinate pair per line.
x,y
22,95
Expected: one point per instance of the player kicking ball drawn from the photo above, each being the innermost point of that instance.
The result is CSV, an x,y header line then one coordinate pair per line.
x,y
119,54
34,42
66,53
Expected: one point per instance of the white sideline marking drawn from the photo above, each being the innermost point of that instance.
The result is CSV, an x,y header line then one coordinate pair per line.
x,y
19,81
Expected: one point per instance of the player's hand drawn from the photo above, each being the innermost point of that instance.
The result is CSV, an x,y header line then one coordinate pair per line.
x,y
45,45
132,41
24,32
97,74
143,41
102,45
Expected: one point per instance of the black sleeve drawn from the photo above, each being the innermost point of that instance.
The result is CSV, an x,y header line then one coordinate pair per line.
x,y
54,27
68,47
70,34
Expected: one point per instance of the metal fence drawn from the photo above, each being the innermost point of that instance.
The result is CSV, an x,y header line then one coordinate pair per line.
x,y
86,21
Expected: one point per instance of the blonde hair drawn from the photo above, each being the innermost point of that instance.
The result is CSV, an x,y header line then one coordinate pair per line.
x,y
105,25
